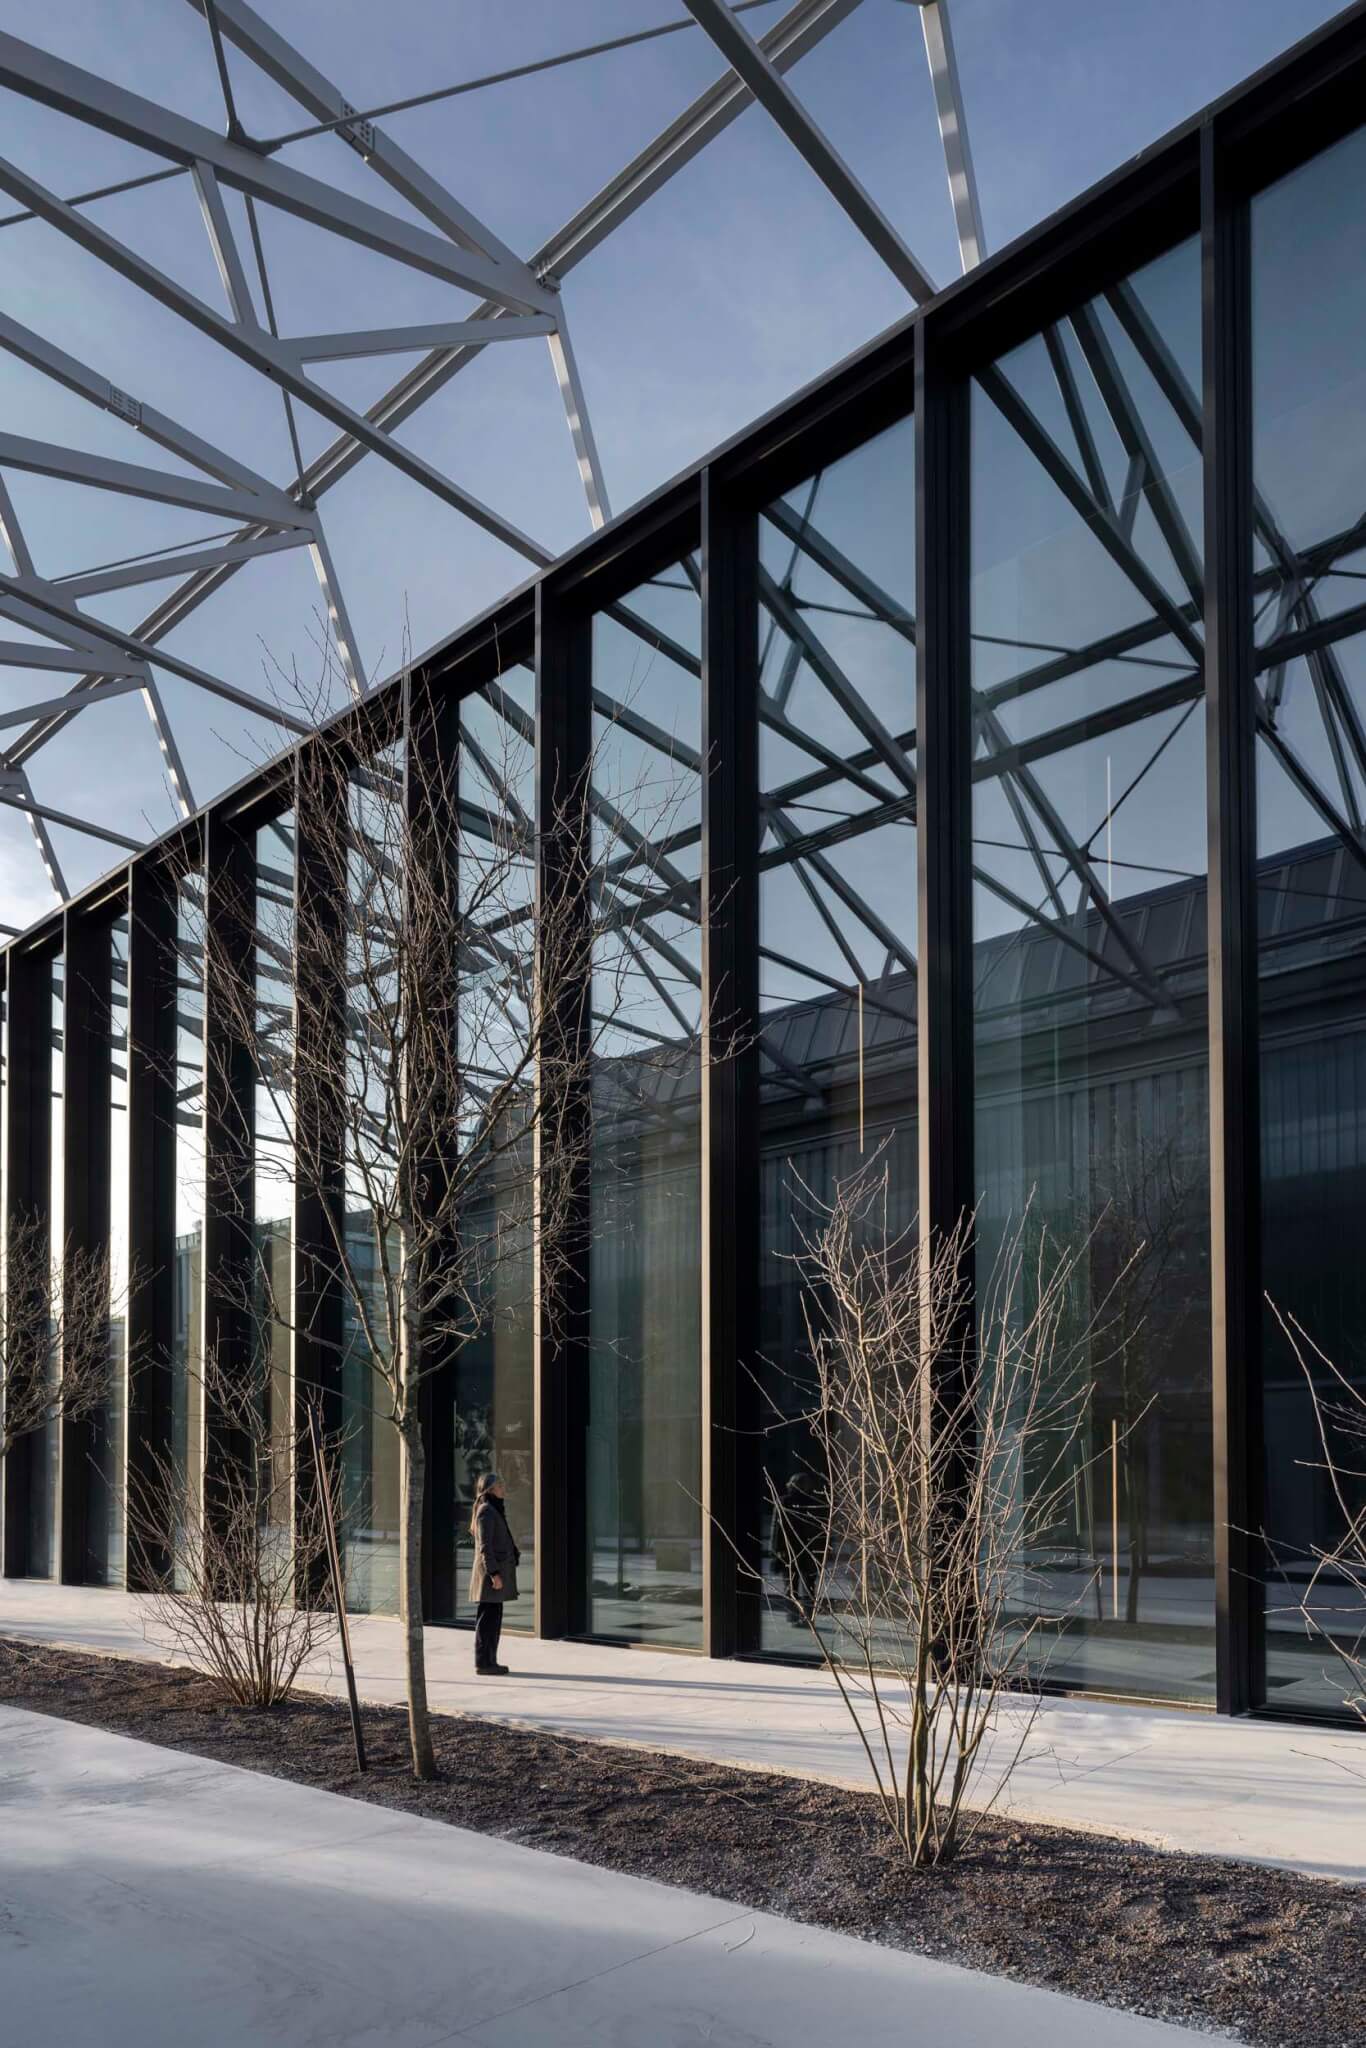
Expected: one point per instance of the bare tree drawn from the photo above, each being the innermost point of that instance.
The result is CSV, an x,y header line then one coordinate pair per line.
x,y
1332,1598
426,1036
938,1483
238,1590
56,1311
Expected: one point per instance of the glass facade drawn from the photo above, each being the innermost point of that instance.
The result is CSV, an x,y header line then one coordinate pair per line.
x,y
644,1474
837,917
1038,695
45,1446
493,1406
272,1237
370,1449
187,1306
1090,1013
1308,236
105,1498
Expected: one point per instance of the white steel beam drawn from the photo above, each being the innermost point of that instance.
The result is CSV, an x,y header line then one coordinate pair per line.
x,y
580,426
59,660
801,30
34,604
260,351
107,473
62,615
764,80
47,852
19,797
78,699
72,375
38,75
392,341
953,132
185,562
166,741
223,242
243,27
338,618
12,534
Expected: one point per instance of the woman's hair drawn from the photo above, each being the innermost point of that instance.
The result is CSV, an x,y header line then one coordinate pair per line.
x,y
484,1486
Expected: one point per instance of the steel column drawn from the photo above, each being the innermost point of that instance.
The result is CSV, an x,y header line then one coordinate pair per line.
x,y
1231,695
430,777
731,1486
86,1195
943,722
319,1024
229,1131
564,679
152,1030
28,1153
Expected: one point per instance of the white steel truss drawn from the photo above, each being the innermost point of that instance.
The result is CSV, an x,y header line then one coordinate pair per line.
x,y
516,299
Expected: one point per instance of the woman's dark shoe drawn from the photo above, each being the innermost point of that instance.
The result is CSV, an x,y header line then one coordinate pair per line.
x,y
491,1671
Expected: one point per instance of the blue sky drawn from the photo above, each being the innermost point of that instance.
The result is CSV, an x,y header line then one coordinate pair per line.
x,y
725,292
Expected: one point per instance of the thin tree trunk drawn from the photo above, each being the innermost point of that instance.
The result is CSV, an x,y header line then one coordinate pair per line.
x,y
414,1480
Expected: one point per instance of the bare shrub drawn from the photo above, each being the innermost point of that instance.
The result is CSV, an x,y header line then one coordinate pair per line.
x,y
55,1315
942,1458
235,1566
1332,1597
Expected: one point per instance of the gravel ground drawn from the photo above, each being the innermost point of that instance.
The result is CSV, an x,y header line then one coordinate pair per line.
x,y
1275,1959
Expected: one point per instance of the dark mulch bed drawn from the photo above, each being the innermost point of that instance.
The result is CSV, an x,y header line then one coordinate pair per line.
x,y
1275,1958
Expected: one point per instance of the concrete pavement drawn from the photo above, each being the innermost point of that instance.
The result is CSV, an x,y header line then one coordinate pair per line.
x,y
1271,1792
149,1899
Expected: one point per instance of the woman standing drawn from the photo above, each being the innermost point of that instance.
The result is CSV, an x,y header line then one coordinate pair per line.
x,y
494,1577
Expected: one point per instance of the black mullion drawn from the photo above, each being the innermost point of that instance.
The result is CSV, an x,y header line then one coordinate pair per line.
x,y
731,1487
564,679
319,1025
86,1196
229,1134
28,1151
1235,1177
944,792
151,1197
430,774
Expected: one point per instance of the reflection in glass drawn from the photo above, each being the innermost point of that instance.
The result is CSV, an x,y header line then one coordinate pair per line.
x,y
494,1404
1309,469
44,1446
837,906
105,1505
644,1438
370,1452
187,1388
272,1128
1090,1020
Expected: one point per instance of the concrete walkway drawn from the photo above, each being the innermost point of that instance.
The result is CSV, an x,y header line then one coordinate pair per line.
x,y
1265,1791
157,1899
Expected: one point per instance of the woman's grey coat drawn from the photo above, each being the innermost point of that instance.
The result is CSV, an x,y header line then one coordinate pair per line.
x,y
495,1555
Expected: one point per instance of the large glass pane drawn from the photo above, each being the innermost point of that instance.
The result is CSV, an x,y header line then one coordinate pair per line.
x,y
837,906
1309,467
104,1559
644,1436
370,1456
1090,1023
494,1401
44,1446
187,1390
272,1137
